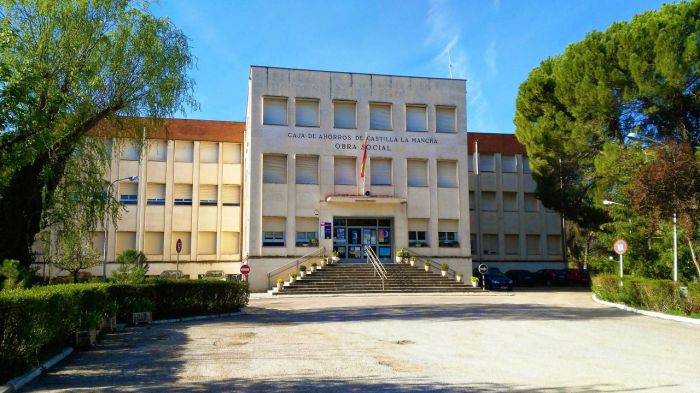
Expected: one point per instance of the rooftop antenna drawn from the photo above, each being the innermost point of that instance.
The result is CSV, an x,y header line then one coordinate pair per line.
x,y
449,63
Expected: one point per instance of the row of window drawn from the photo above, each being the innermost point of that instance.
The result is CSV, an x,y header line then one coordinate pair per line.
x,y
154,242
346,171
310,239
509,163
512,244
157,150
509,201
182,194
307,114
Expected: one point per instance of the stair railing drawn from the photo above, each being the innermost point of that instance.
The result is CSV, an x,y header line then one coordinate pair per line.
x,y
437,266
379,269
319,252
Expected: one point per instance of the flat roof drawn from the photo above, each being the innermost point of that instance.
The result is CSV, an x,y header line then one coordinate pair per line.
x,y
359,73
178,129
495,143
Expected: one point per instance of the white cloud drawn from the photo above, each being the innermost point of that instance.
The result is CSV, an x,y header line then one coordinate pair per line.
x,y
490,59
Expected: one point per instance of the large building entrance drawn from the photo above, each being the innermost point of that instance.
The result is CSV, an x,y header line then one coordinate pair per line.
x,y
351,235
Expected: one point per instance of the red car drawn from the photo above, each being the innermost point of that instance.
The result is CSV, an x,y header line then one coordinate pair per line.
x,y
578,277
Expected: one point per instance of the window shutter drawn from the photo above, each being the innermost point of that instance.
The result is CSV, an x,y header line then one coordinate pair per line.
x,y
307,169
380,116
448,225
274,169
157,150
209,152
182,191
231,194
208,193
447,174
130,188
307,113
508,164
184,151
345,171
415,118
526,165
275,111
444,119
155,191
344,114
417,173
380,171
131,151
487,163
232,153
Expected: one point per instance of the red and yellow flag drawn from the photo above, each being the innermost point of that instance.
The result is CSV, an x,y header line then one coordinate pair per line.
x,y
364,158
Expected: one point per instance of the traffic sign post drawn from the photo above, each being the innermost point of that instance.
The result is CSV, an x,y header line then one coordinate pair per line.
x,y
483,269
245,270
620,248
178,248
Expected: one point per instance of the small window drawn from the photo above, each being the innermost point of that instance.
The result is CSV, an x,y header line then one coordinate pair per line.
x,y
344,171
380,169
209,152
490,244
510,202
487,163
531,204
445,119
526,165
307,169
417,173
448,239
508,164
128,193
417,238
379,116
184,151
488,201
344,114
447,174
307,239
274,169
554,245
275,111
512,244
155,194
130,151
208,195
472,244
232,153
273,239
157,150
533,244
306,112
472,200
182,194
231,195
470,163
206,243
416,118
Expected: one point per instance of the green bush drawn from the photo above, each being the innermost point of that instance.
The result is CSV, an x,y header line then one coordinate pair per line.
x,y
38,322
693,301
644,293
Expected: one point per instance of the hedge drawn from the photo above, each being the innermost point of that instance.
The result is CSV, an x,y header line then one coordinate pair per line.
x,y
647,294
38,322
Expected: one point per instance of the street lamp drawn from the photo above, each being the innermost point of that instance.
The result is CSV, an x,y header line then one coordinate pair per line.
x,y
104,244
635,136
608,203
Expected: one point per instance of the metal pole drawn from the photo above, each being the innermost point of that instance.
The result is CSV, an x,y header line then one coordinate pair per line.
x,y
621,273
675,249
177,265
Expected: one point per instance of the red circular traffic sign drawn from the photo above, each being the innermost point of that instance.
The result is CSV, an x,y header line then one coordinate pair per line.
x,y
245,269
178,245
620,247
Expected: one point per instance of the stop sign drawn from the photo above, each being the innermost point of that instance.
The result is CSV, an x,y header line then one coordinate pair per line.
x,y
245,269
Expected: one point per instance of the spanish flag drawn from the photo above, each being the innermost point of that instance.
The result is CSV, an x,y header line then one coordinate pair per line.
x,y
364,157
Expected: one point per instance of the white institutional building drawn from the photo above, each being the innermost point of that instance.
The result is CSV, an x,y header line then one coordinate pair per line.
x,y
291,183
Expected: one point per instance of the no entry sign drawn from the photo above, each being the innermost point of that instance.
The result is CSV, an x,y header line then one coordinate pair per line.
x,y
245,269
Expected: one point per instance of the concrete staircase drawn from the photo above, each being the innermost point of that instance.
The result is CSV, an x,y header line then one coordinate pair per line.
x,y
361,278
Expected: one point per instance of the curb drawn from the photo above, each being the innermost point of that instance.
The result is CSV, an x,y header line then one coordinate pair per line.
x,y
16,383
399,294
654,314
195,318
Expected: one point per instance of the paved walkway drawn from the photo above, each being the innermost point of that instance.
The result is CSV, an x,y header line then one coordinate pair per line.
x,y
532,341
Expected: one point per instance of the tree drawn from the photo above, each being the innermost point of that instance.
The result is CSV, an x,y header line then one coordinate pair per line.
x,y
75,251
133,266
66,66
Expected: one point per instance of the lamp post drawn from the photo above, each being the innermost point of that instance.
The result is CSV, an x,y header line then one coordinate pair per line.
x,y
104,244
635,136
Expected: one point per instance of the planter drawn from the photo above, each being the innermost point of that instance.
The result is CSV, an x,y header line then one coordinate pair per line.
x,y
443,272
109,323
141,317
292,279
280,285
323,262
302,274
459,278
427,268
412,262
313,269
85,338
475,284
335,259
399,259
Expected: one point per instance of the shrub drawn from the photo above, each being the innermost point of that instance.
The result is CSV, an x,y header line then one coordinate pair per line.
x,y
426,263
280,280
302,268
606,287
474,279
692,305
639,292
444,267
132,269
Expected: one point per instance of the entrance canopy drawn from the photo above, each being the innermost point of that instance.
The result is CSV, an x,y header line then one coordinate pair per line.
x,y
384,199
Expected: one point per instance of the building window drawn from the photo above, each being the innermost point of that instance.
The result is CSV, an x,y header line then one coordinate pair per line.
x,y
306,112
208,195
184,151
472,200
182,194
344,169
230,244
209,152
510,202
307,169
487,163
526,165
418,238
344,114
445,119
554,245
206,243
275,111
307,239
155,194
531,204
472,243
470,163
533,244
508,164
273,239
417,173
512,244
153,243
125,241
185,237
490,244
274,169
157,150
448,239
273,231
231,195
130,151
488,201
232,153
129,193
379,116
416,119
447,174
380,169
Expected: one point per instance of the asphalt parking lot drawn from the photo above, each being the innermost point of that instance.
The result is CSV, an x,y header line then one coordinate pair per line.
x,y
540,341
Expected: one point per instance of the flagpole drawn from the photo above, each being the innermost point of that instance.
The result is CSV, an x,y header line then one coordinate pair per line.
x,y
362,166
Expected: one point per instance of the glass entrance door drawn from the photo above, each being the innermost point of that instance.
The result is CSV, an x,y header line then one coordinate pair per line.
x,y
351,235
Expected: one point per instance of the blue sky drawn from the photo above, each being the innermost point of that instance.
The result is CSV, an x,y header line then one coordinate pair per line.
x,y
493,44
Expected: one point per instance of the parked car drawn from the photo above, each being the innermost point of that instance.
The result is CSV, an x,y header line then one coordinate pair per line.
x,y
551,277
213,275
172,274
495,279
522,278
578,277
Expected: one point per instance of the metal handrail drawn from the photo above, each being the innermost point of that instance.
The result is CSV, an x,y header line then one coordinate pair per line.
x,y
379,269
321,251
437,266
